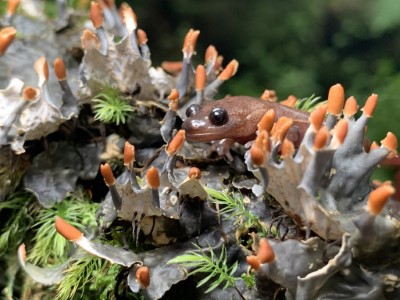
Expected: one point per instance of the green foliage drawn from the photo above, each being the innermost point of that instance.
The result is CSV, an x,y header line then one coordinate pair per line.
x,y
235,209
308,103
19,208
111,107
249,280
89,272
215,267
49,246
104,280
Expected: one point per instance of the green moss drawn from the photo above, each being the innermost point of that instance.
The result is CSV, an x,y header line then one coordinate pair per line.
x,y
111,107
234,208
18,208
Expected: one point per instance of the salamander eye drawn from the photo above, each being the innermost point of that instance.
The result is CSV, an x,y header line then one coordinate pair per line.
x,y
192,110
218,116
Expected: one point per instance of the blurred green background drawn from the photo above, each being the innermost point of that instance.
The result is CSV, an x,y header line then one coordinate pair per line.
x,y
294,47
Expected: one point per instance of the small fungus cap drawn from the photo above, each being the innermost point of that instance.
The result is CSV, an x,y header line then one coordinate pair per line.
x,y
194,173
335,99
253,261
229,70
152,177
7,36
129,154
107,173
143,276
267,121
200,77
317,116
176,143
59,69
265,252
68,231
96,14
29,93
378,198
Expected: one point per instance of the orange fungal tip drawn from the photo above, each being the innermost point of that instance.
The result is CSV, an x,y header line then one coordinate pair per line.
x,y
340,130
143,276
68,231
107,173
200,77
194,173
128,16
12,7
267,121
370,105
129,154
173,100
287,149
89,39
142,37
378,198
174,95
373,146
152,177
321,138
265,252
290,101
189,43
29,93
257,155
173,67
96,14
260,148
317,116
191,38
281,128
211,55
269,95
42,68
335,99
59,69
174,104
22,252
253,261
350,107
390,143
176,143
7,35
229,70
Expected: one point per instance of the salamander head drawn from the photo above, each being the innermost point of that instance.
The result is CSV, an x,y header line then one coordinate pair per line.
x,y
234,118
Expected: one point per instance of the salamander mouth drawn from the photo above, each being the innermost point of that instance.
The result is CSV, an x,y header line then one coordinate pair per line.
x,y
203,137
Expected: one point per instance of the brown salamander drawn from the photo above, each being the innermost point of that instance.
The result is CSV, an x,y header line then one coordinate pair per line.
x,y
237,117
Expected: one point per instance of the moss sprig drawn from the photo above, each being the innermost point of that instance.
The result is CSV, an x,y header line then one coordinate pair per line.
x,y
234,208
208,262
81,273
111,107
309,103
19,208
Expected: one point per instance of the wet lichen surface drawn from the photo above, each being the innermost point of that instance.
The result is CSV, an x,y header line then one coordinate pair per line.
x,y
116,156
